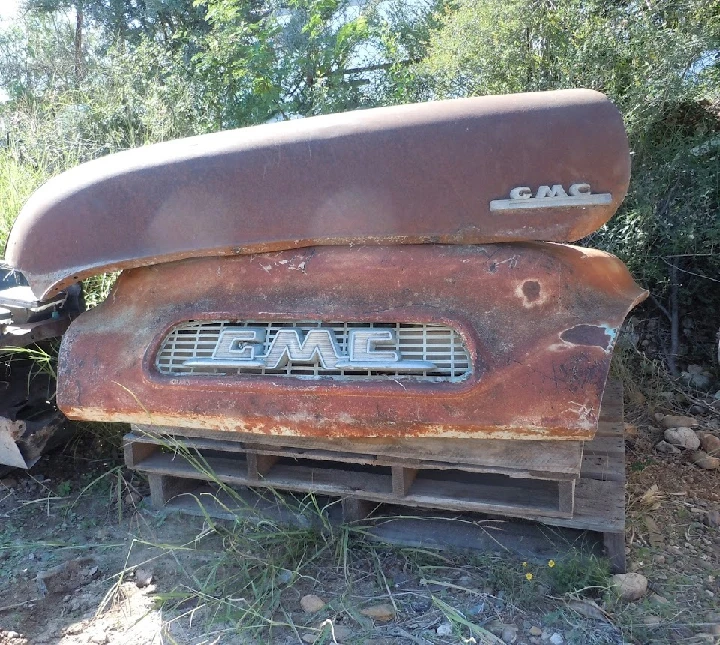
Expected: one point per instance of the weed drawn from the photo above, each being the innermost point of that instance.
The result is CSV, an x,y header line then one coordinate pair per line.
x,y
577,572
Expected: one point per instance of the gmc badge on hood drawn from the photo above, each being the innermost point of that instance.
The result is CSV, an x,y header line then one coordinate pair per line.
x,y
551,197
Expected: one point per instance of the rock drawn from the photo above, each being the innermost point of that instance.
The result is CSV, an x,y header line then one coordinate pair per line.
x,y
710,443
535,631
712,519
476,610
67,576
311,603
509,634
8,482
587,608
556,639
444,630
309,638
341,632
674,421
380,613
698,378
284,576
132,498
630,586
703,460
651,621
143,577
682,437
667,448
660,600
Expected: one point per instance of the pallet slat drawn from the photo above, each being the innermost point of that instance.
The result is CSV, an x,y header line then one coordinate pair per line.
x,y
486,476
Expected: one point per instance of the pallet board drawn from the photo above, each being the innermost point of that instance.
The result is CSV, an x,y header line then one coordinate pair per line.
x,y
563,484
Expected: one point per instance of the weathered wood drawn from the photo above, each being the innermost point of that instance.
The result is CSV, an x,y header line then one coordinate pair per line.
x,y
552,460
410,474
136,451
260,465
566,491
614,544
163,488
450,490
355,509
402,480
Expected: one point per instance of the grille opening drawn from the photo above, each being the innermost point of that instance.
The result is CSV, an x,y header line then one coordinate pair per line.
x,y
438,344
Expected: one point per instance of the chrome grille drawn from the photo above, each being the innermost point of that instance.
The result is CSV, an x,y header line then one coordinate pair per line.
x,y
439,344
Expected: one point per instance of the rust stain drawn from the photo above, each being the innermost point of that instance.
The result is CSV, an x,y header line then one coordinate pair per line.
x,y
410,174
522,386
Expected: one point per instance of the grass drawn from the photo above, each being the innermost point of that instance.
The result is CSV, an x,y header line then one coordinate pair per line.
x,y
18,180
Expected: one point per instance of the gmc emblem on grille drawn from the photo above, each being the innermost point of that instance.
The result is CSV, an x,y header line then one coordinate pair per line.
x,y
240,347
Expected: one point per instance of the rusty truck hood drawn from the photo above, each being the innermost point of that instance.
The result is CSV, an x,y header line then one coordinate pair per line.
x,y
550,166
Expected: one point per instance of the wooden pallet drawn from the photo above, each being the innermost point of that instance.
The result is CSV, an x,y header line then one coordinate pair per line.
x,y
559,483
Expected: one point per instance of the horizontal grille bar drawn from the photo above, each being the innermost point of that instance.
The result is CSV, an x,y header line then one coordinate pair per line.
x,y
426,352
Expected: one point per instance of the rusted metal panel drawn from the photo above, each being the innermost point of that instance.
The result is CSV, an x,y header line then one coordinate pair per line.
x,y
539,321
550,166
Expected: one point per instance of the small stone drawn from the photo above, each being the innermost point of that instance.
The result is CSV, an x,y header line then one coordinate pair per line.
x,y
651,621
660,600
556,639
682,437
284,576
67,576
509,634
444,630
311,604
703,460
667,448
381,613
630,586
143,577
535,631
341,632
659,559
309,638
710,443
476,610
8,482
712,519
99,637
132,498
673,421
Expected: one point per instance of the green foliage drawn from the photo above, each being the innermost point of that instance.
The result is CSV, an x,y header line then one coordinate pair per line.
x,y
660,63
577,572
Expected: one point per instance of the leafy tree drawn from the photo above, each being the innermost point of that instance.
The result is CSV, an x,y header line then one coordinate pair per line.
x,y
660,63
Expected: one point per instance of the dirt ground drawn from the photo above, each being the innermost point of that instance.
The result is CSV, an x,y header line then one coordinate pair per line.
x,y
84,559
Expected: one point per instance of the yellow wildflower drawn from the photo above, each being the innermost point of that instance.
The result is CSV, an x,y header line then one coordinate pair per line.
x,y
551,563
524,564
529,576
